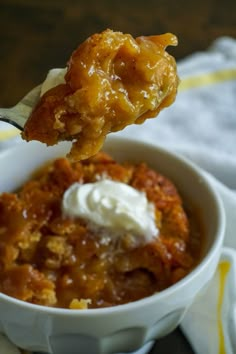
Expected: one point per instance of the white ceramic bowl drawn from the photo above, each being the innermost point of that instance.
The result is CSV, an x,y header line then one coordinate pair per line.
x,y
125,328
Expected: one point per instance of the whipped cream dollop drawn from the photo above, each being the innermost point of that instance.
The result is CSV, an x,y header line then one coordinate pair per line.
x,y
112,205
54,78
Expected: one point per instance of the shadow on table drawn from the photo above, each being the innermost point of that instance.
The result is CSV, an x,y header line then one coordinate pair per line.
x,y
173,343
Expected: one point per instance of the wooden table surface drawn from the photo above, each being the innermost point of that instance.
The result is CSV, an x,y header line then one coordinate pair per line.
x,y
37,35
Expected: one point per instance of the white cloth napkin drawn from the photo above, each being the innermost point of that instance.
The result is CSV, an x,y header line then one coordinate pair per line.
x,y
201,125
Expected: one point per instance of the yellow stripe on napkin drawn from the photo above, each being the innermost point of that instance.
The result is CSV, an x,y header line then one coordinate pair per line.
x,y
214,77
223,269
9,133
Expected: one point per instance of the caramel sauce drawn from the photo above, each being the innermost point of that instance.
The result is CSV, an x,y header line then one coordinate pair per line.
x,y
112,81
49,259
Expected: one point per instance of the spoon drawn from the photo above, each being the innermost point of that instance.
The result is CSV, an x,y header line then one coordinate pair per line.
x,y
19,114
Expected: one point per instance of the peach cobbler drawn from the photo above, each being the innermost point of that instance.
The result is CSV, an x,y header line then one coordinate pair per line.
x,y
48,257
112,81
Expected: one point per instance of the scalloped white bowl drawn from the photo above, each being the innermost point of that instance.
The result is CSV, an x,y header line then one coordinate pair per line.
x,y
126,328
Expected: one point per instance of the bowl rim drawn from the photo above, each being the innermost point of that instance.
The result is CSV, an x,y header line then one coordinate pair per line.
x,y
221,221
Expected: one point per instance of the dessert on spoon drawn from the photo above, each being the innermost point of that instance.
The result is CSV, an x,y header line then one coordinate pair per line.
x,y
112,80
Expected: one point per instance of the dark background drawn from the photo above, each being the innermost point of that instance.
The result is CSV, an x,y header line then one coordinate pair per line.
x,y
37,35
